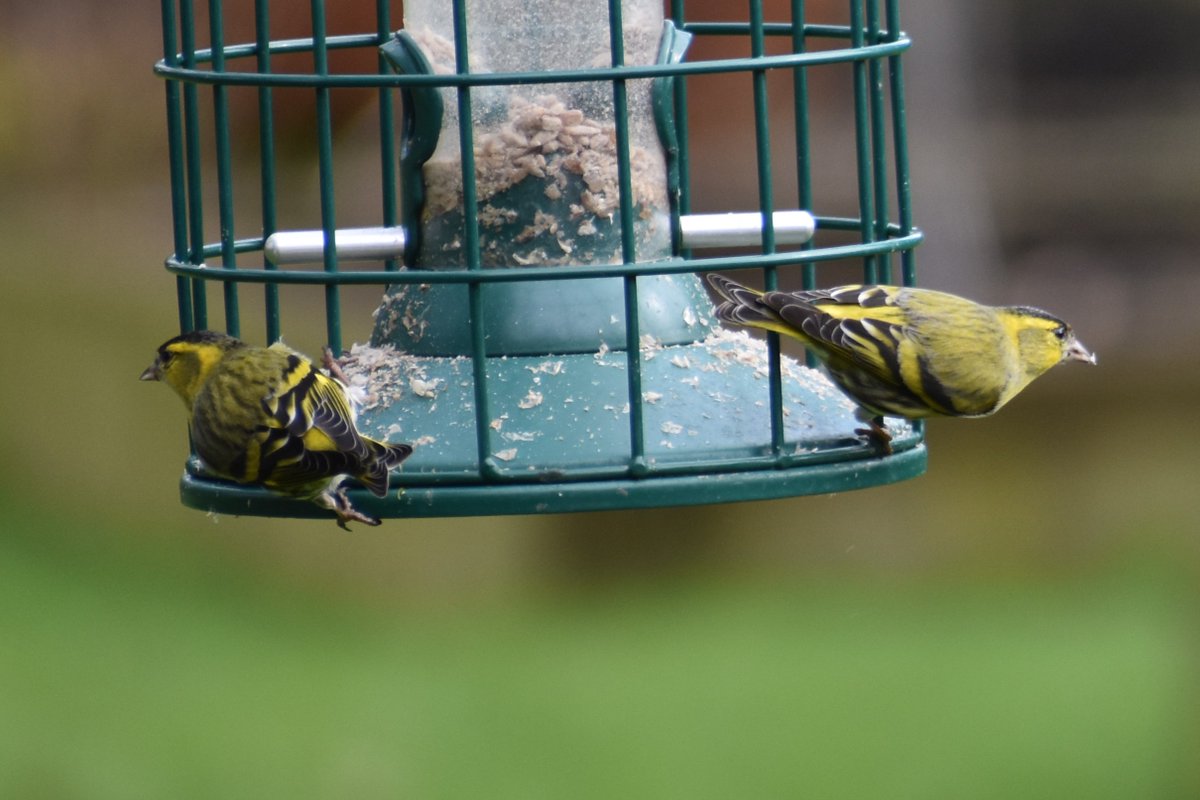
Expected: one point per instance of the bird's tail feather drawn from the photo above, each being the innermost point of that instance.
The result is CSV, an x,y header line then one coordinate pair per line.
x,y
386,456
742,305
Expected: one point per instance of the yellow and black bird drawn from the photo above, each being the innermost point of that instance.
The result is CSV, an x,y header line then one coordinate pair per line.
x,y
908,352
267,416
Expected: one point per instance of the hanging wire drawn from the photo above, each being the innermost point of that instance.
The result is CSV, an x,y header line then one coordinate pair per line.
x,y
862,143
266,154
195,187
766,203
387,142
216,23
333,304
183,285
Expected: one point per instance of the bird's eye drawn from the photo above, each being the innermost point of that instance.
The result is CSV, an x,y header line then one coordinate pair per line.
x,y
1060,332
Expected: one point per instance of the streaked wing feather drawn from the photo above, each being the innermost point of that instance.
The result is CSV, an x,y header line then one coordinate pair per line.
x,y
861,324
310,432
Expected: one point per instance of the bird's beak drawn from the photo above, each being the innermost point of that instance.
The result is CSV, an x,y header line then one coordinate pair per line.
x,y
1076,352
151,373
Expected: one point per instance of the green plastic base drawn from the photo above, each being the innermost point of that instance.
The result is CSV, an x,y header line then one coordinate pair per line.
x,y
559,437
220,497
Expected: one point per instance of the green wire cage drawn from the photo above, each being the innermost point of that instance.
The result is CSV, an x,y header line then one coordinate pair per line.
x,y
537,325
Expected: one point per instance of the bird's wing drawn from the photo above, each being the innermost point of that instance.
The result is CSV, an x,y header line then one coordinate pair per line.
x,y
310,432
861,324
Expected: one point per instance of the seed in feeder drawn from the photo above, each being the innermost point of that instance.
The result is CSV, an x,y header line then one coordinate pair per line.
x,y
514,137
542,137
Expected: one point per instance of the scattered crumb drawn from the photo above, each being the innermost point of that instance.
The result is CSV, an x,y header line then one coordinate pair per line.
x,y
506,455
423,388
671,428
547,367
530,400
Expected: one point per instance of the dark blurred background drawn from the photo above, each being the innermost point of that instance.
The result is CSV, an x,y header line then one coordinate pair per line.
x,y
1022,621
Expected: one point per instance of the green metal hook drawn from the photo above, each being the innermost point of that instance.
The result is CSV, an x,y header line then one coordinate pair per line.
x,y
422,112
671,48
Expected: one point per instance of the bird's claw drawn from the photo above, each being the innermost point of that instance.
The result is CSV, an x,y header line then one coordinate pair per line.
x,y
332,366
877,435
339,504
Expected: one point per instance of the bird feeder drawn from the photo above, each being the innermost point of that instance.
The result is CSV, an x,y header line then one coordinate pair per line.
x,y
541,334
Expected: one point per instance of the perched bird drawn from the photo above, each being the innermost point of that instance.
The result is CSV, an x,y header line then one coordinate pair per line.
x,y
907,352
268,416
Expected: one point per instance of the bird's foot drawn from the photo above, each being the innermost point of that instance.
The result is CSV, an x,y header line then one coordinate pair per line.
x,y
332,366
337,502
877,435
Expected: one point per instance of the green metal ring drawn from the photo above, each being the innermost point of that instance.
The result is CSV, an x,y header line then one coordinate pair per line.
x,y
517,274
787,61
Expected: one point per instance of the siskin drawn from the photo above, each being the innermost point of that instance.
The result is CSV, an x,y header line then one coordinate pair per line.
x,y
908,352
268,416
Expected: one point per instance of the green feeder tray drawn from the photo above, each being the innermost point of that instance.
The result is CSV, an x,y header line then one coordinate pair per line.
x,y
543,338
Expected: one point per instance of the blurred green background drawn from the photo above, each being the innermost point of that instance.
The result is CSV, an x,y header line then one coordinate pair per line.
x,y
1023,621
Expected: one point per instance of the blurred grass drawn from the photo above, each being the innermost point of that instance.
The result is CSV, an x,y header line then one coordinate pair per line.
x,y
127,674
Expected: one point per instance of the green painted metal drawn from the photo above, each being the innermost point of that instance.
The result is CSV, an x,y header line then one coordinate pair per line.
x,y
549,388
266,154
667,121
422,124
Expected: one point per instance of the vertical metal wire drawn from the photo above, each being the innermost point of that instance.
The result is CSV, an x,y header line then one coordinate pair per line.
x,y
800,111
883,261
333,321
488,467
633,353
387,141
183,286
862,142
195,178
908,264
766,202
266,152
804,194
681,127
216,33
